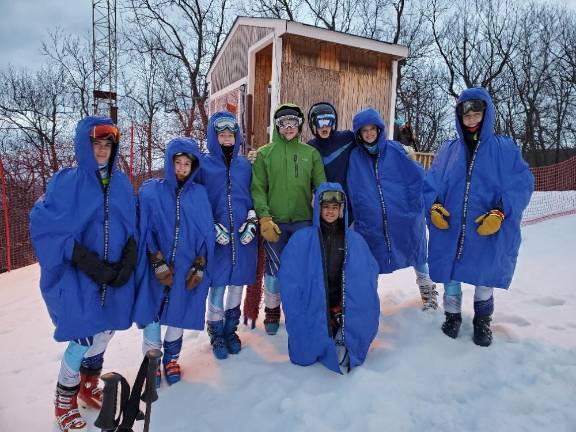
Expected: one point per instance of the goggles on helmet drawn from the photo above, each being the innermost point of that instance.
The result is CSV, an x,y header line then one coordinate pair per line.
x,y
188,155
332,196
323,120
288,121
223,123
476,105
105,131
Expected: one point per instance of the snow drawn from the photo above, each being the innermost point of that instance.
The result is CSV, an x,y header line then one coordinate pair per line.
x,y
414,379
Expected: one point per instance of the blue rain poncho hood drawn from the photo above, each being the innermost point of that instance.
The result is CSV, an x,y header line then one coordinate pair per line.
x,y
385,192
500,178
159,203
236,262
303,291
73,209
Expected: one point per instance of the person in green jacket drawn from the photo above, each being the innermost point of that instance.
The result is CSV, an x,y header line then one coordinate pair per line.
x,y
284,176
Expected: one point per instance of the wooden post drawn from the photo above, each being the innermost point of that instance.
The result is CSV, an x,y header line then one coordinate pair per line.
x,y
6,221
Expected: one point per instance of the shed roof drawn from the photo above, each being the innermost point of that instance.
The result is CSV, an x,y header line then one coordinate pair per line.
x,y
282,27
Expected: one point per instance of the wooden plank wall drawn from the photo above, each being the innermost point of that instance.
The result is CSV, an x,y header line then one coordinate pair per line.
x,y
225,102
261,105
348,77
233,63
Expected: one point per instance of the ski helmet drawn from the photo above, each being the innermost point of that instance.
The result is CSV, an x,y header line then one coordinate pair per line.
x,y
322,114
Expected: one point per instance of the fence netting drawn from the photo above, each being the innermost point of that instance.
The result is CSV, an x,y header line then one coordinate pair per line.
x,y
554,196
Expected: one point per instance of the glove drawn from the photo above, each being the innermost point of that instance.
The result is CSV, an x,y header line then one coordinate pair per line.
x,y
196,273
127,263
490,222
247,230
437,213
251,156
269,229
162,270
222,236
89,262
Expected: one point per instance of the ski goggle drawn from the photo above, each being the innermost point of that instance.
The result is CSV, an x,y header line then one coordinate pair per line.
x,y
288,121
476,105
324,120
224,123
332,196
105,131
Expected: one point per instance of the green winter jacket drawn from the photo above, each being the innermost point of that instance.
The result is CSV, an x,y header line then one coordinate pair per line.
x,y
284,175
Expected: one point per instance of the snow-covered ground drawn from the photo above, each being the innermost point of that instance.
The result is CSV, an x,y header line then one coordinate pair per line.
x,y
414,379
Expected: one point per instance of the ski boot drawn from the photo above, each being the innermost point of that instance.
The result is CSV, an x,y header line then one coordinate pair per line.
x,y
172,350
272,320
90,395
216,333
429,297
482,333
231,320
158,377
66,410
172,372
451,326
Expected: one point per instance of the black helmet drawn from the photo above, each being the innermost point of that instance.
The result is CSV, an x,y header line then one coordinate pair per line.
x,y
332,196
322,114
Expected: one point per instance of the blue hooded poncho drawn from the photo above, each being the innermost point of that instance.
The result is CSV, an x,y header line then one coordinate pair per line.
x,y
386,199
229,194
75,208
499,178
179,224
303,290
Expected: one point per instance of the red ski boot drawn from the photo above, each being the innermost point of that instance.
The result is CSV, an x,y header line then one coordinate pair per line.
x,y
67,414
90,395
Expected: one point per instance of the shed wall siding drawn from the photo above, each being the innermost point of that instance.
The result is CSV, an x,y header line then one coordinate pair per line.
x,y
233,63
349,78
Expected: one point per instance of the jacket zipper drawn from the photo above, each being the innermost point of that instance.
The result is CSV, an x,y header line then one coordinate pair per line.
x,y
325,276
465,206
106,190
384,211
231,217
296,165
173,252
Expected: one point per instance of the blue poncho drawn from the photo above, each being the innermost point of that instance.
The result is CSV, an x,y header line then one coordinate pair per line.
x,y
74,209
499,178
302,288
229,194
387,199
179,224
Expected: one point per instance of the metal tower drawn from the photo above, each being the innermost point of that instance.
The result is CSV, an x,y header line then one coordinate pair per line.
x,y
104,57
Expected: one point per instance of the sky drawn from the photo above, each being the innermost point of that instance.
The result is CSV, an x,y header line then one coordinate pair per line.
x,y
24,24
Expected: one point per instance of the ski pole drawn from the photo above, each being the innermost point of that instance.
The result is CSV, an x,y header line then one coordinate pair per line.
x,y
106,420
150,395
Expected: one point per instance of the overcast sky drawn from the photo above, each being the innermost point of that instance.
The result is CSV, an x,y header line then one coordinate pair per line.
x,y
24,24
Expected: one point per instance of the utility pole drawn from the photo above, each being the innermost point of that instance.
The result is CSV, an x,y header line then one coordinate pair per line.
x,y
104,58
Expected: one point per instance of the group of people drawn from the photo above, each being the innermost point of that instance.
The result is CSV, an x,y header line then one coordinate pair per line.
x,y
333,214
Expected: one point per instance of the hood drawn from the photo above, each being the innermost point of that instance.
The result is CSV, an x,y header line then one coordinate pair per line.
x,y
213,145
488,122
83,144
327,186
276,135
180,145
366,117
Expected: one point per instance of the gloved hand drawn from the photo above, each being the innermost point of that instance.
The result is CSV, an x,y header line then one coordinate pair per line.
x,y
251,156
196,273
127,263
247,230
437,214
222,235
89,262
162,270
490,222
269,229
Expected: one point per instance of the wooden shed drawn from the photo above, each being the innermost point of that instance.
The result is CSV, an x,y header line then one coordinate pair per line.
x,y
264,62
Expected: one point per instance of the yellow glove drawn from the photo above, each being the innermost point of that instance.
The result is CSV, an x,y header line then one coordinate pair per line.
x,y
437,213
490,222
269,229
